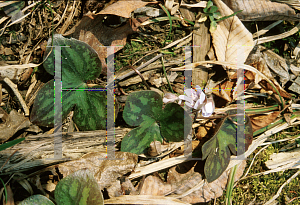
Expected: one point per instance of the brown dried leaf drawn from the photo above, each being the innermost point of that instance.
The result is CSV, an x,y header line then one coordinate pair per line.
x,y
97,35
13,123
182,182
231,40
124,7
262,10
256,59
105,171
155,186
260,121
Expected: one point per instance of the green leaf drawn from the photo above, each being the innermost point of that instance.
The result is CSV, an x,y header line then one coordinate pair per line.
x,y
208,5
213,9
173,120
217,15
79,188
142,104
218,149
144,109
89,113
79,64
37,200
139,139
11,143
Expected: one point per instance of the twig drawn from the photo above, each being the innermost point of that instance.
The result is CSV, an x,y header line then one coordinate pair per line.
x,y
142,77
14,88
282,186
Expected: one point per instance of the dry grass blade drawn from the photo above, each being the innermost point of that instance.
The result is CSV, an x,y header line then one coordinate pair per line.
x,y
266,29
276,37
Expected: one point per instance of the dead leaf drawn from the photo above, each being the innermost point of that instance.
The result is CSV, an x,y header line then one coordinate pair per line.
x,y
105,171
124,7
231,40
97,35
262,10
182,181
256,59
155,186
12,124
260,121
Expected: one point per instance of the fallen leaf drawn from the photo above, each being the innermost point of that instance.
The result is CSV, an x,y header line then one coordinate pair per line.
x,y
105,171
182,181
262,10
12,124
97,35
260,121
231,40
124,7
155,186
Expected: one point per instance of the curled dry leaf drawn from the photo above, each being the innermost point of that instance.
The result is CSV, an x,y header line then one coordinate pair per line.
x,y
231,40
182,178
12,124
257,60
105,171
123,7
262,10
261,121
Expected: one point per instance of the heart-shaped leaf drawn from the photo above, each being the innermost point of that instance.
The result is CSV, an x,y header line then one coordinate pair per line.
x,y
78,188
37,200
138,139
79,64
141,104
144,109
173,120
218,149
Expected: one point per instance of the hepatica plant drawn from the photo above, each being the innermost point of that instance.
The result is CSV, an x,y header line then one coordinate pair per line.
x,y
144,110
79,64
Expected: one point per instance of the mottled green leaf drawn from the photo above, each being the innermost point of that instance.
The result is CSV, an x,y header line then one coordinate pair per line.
x,y
79,188
173,120
79,64
144,109
139,139
89,113
37,200
218,149
141,104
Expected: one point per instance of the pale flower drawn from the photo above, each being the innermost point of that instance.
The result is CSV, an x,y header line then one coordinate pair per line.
x,y
197,99
170,97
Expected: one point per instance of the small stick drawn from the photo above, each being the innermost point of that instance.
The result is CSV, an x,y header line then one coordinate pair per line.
x,y
14,88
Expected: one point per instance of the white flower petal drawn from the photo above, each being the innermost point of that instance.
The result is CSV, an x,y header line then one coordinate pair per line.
x,y
202,97
170,97
208,108
198,105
